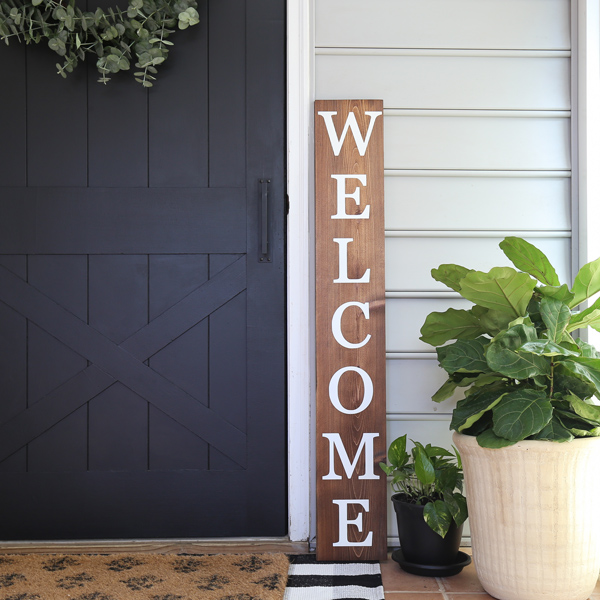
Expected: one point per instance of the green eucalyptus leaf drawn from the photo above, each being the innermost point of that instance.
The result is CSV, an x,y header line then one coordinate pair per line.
x,y
521,413
502,289
488,439
438,516
528,258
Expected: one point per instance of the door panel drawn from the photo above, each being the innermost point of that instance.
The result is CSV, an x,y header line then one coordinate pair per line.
x,y
142,339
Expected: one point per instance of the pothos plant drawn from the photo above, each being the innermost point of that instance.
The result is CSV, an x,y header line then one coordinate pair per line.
x,y
524,374
116,37
430,476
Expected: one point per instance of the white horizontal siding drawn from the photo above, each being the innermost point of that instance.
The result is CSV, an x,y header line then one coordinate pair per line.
x,y
410,385
409,260
404,318
429,141
477,201
524,24
477,130
442,82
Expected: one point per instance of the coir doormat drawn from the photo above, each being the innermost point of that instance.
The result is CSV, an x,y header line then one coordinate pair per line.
x,y
143,577
312,580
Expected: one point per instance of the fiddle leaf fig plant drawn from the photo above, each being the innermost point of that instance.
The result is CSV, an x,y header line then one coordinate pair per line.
x,y
522,372
430,476
115,38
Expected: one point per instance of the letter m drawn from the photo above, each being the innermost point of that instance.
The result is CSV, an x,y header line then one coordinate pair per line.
x,y
335,443
336,143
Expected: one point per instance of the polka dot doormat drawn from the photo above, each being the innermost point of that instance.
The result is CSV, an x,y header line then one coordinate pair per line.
x,y
143,577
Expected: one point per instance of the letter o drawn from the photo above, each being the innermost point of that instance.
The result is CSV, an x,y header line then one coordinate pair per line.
x,y
335,398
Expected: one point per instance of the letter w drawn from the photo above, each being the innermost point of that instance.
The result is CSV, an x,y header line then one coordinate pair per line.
x,y
351,124
335,442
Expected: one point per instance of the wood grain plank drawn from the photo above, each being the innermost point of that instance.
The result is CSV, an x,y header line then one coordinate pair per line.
x,y
365,251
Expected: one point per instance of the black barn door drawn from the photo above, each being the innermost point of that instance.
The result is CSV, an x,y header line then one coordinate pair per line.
x,y
142,325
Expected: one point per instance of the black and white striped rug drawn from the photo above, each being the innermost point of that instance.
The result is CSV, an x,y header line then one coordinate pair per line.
x,y
312,580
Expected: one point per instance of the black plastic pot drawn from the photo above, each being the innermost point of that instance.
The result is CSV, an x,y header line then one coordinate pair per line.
x,y
419,543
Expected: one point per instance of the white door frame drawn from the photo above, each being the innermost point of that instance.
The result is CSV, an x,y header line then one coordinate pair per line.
x,y
300,265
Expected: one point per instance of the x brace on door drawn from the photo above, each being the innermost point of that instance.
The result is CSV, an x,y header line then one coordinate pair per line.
x,y
123,362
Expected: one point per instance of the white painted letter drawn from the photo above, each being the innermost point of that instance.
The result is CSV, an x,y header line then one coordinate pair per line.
x,y
343,268
336,324
335,442
342,195
344,522
333,390
361,144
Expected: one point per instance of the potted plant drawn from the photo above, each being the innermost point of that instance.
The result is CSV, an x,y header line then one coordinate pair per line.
x,y
527,426
430,508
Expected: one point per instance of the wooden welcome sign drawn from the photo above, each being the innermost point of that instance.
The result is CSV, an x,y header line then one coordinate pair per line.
x,y
350,335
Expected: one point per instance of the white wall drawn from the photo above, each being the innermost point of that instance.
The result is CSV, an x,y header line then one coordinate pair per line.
x,y
477,99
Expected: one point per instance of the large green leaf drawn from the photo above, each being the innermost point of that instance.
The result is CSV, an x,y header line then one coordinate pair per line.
x,y
570,382
556,316
450,275
502,289
547,348
587,318
589,368
587,350
423,467
492,321
503,354
438,516
397,455
450,325
445,391
457,505
466,356
488,439
554,431
591,412
577,425
561,293
521,413
528,258
587,282
470,409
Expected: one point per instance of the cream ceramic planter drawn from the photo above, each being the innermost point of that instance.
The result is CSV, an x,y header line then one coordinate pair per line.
x,y
534,513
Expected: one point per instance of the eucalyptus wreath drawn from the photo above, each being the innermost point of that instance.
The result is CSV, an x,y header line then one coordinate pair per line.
x,y
115,37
